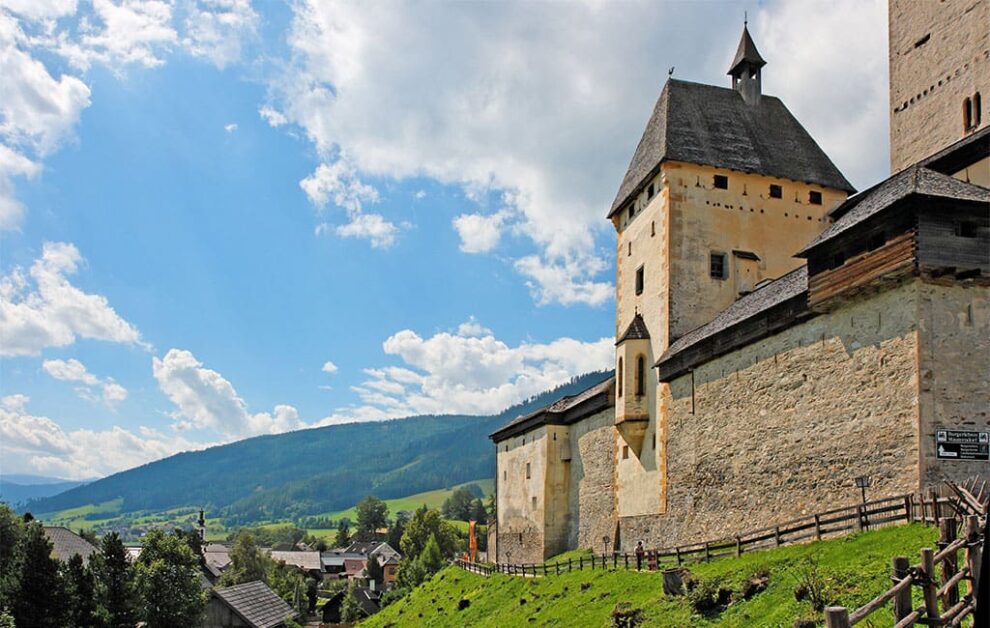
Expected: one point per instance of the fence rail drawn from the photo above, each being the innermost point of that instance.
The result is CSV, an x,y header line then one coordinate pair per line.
x,y
930,509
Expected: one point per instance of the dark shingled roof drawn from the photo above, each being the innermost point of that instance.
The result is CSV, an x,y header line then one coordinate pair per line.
x,y
67,544
636,331
957,156
746,52
910,181
564,410
714,126
760,300
256,604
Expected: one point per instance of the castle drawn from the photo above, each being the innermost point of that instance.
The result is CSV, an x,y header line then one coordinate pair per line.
x,y
777,334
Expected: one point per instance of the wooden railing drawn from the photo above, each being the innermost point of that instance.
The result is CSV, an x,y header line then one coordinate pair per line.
x,y
937,574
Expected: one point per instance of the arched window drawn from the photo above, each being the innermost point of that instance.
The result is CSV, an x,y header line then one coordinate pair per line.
x,y
618,382
640,375
977,109
967,114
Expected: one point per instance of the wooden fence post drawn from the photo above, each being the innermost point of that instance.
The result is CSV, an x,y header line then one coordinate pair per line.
x,y
837,617
907,508
929,585
708,555
936,509
902,601
738,547
581,563
818,528
947,534
859,517
677,550
626,558
974,554
776,535
569,568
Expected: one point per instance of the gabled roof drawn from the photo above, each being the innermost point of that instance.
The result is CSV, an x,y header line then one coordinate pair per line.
x,y
792,285
303,560
915,180
746,53
714,126
67,544
636,331
368,600
957,156
255,603
354,566
564,411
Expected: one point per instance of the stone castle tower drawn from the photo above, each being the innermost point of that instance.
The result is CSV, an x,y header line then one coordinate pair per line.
x,y
724,188
939,75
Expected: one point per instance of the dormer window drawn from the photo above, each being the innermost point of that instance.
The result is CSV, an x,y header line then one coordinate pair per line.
x,y
721,182
776,191
815,197
650,192
632,210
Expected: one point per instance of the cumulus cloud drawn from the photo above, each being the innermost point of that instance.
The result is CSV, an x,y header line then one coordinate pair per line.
x,y
216,29
272,117
329,367
73,370
230,128
547,101
372,227
40,444
337,182
480,233
204,399
43,309
470,372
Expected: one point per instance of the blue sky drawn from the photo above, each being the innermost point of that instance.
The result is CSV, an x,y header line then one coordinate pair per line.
x,y
224,218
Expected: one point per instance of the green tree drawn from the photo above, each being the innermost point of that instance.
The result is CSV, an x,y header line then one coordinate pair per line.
x,y
167,578
40,599
397,529
81,593
424,524
431,559
478,511
312,593
350,610
247,563
376,572
458,505
11,533
411,574
343,537
114,584
372,514
195,543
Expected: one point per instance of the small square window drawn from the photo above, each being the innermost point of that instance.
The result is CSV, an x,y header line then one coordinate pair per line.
x,y
527,471
625,452
721,182
650,192
815,198
776,191
966,229
718,267
640,280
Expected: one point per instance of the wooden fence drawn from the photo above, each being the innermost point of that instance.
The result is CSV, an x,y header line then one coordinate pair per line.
x,y
830,523
939,575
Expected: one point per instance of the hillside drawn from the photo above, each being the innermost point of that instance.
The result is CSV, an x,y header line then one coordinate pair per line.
x,y
19,489
312,471
852,571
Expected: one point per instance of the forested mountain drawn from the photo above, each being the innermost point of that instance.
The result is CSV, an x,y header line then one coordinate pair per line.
x,y
18,489
316,470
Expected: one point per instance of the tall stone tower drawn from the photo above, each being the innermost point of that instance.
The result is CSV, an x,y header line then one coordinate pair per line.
x,y
939,75
724,188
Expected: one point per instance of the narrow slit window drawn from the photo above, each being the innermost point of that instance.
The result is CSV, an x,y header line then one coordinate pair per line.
x,y
640,376
977,109
776,191
625,452
629,249
721,182
618,379
967,114
632,210
640,280
528,474
815,197
534,502
653,228
650,192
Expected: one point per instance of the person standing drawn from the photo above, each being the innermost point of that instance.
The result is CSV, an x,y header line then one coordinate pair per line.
x,y
639,555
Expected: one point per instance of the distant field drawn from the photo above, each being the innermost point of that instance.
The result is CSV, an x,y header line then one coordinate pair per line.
x,y
75,518
432,499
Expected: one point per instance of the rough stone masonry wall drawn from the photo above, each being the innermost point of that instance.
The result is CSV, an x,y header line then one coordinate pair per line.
x,y
939,55
784,425
520,521
592,488
954,359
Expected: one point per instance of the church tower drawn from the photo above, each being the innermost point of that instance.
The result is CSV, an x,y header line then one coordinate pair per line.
x,y
723,189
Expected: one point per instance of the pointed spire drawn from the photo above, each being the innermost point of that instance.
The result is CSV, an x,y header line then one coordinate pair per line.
x,y
747,56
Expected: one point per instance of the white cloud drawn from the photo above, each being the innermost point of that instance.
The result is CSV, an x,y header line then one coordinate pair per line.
x,y
230,128
215,29
272,117
73,370
130,31
204,399
547,101
53,312
373,227
470,372
40,9
480,233
41,445
337,182
329,367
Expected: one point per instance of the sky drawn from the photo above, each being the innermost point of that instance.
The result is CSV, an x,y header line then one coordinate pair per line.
x,y
226,218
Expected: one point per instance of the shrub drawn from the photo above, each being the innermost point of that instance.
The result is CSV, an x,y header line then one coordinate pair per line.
x,y
624,615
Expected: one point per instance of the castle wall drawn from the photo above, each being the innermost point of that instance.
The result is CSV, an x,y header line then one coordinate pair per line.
x,y
591,494
781,427
954,360
939,55
520,498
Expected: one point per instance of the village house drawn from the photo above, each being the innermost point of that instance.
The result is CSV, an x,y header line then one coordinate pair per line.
x,y
777,335
66,544
248,605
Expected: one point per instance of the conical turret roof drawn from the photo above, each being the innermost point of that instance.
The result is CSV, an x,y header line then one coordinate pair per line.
x,y
746,54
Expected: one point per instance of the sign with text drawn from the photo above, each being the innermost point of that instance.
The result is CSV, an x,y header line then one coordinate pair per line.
x,y
959,445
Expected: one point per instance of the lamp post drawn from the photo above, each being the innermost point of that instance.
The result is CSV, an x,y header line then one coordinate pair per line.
x,y
862,483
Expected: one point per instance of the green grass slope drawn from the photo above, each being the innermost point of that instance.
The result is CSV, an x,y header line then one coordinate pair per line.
x,y
854,569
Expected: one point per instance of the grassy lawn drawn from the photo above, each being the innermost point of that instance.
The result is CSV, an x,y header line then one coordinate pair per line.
x,y
853,569
75,518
